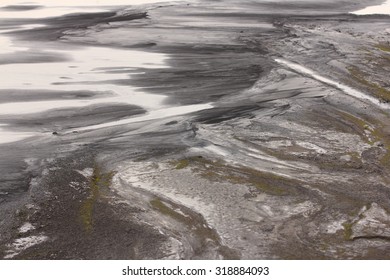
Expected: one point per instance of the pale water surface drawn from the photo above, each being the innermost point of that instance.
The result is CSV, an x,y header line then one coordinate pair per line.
x,y
85,69
383,9
54,8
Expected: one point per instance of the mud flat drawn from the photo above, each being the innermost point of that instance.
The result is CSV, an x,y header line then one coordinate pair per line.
x,y
232,130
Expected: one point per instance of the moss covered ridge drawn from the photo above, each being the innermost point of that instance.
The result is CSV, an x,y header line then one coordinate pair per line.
x,y
195,223
372,132
98,180
383,47
380,92
218,171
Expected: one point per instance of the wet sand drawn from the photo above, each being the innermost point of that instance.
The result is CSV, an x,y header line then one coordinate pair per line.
x,y
236,130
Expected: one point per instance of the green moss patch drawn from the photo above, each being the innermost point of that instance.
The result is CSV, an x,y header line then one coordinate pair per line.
x,y
383,47
376,89
164,209
183,163
347,231
97,181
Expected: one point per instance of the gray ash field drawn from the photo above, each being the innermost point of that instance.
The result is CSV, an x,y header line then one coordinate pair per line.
x,y
195,130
